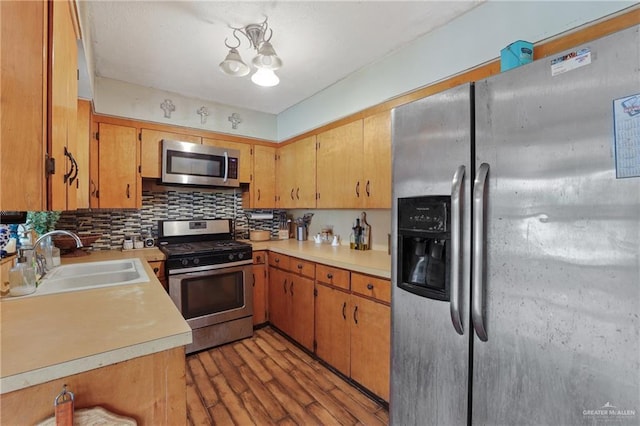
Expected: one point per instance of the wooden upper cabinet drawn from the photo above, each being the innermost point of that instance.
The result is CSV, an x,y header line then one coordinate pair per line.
x,y
246,156
264,177
339,167
63,103
296,174
82,153
151,149
118,167
376,150
23,78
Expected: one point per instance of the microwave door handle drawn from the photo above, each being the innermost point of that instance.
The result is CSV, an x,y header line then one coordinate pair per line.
x,y
226,166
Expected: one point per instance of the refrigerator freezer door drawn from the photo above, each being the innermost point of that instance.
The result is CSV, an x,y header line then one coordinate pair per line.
x,y
562,244
429,360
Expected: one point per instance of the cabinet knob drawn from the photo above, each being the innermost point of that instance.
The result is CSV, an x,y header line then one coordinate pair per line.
x,y
370,286
299,266
156,270
277,259
330,275
258,259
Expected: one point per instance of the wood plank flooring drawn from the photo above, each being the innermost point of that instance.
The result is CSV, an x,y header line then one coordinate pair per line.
x,y
267,380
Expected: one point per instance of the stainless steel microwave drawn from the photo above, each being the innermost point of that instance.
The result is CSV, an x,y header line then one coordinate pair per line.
x,y
194,164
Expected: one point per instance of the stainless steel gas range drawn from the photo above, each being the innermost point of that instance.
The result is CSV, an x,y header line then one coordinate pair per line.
x,y
209,279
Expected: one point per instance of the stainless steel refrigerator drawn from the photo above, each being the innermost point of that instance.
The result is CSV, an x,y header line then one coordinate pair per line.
x,y
516,245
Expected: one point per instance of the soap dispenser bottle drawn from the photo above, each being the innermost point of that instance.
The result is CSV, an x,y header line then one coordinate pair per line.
x,y
22,278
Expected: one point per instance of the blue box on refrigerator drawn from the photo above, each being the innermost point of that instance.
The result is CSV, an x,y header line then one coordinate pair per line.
x,y
517,53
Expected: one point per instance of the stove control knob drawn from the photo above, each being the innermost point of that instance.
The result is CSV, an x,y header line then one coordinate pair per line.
x,y
231,256
185,262
240,255
196,260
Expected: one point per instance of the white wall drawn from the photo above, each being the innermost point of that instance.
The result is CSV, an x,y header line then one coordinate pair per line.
x,y
343,220
113,97
470,40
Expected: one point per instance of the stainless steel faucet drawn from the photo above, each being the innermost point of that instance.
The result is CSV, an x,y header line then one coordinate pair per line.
x,y
42,268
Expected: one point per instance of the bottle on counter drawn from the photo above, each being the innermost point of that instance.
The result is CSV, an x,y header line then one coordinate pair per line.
x,y
365,242
22,278
356,236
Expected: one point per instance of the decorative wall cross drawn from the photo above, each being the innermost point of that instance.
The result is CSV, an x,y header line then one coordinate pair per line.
x,y
168,107
203,112
235,120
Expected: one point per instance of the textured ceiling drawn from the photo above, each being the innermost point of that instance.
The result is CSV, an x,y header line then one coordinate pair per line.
x,y
177,46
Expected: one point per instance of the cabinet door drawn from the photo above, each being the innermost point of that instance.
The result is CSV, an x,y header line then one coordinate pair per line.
x,y
118,166
246,157
370,345
151,149
82,153
286,176
376,151
301,310
22,121
304,179
264,177
63,98
259,294
278,295
339,167
332,327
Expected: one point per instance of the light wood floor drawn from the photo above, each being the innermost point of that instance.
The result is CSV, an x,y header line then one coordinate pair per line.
x,y
268,380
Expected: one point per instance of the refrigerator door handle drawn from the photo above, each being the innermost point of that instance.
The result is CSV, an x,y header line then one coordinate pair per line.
x,y
478,278
456,243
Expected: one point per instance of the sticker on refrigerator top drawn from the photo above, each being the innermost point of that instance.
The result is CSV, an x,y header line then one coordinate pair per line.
x,y
626,136
570,61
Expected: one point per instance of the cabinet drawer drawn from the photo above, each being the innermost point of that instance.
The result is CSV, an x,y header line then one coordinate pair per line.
x,y
278,260
158,268
302,267
333,276
258,257
378,288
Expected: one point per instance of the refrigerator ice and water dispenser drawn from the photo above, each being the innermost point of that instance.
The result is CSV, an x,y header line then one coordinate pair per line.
x,y
424,246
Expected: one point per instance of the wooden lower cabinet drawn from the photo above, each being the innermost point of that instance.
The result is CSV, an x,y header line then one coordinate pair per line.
x,y
277,294
259,287
291,299
353,332
151,389
332,327
158,269
370,344
300,310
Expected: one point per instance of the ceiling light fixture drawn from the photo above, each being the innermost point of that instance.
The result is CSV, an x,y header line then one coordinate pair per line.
x,y
266,61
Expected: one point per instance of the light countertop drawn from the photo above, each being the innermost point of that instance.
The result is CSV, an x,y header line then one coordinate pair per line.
x,y
372,262
53,336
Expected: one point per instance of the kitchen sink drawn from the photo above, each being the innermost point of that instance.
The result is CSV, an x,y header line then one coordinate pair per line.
x,y
85,276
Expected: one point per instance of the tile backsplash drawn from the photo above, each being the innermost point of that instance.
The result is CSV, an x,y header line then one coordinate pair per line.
x,y
169,205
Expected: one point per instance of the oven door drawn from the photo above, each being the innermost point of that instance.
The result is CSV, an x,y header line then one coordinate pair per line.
x,y
212,297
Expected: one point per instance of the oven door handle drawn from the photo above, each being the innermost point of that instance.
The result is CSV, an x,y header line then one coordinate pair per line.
x,y
226,166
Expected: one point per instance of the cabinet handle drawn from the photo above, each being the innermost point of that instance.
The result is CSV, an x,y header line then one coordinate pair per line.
x,y
292,194
156,270
367,189
369,286
128,192
95,188
277,259
258,194
358,189
291,288
258,259
299,265
254,279
284,286
298,193
66,176
355,314
344,310
330,275
74,165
